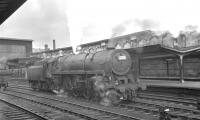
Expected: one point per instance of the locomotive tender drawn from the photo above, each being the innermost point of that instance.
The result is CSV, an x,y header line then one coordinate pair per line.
x,y
105,74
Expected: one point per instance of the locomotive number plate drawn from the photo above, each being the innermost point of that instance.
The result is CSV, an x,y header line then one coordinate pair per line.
x,y
122,57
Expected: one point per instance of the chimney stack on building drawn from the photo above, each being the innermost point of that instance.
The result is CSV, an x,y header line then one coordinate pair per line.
x,y
46,47
54,44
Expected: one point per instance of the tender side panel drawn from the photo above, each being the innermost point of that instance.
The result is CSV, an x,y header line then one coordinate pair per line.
x,y
35,73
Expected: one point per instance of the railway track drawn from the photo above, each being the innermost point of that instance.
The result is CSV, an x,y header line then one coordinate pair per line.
x,y
180,107
82,110
24,87
12,111
175,111
189,101
152,107
44,111
18,81
186,94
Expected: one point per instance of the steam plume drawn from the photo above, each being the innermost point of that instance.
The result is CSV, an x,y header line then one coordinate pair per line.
x,y
191,28
146,24
41,21
130,24
3,60
121,28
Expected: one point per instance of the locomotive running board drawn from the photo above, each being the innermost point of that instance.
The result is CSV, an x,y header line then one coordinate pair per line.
x,y
95,72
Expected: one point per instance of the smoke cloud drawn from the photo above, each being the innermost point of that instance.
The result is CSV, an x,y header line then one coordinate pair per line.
x,y
121,28
41,21
3,60
191,28
133,25
88,32
146,24
45,20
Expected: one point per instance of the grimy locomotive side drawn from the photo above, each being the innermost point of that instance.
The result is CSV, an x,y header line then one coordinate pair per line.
x,y
101,75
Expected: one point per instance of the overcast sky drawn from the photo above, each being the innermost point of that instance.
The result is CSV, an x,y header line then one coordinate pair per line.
x,y
71,22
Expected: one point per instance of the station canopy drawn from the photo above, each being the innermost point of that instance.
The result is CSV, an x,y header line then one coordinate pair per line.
x,y
8,7
193,50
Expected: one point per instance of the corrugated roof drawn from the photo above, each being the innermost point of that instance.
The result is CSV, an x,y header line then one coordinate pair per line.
x,y
8,7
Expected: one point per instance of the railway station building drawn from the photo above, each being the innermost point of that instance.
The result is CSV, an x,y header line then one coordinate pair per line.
x,y
15,48
11,47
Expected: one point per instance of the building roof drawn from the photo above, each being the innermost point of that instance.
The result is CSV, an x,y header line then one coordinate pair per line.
x,y
15,39
50,51
140,33
94,43
109,40
24,58
184,50
8,7
159,47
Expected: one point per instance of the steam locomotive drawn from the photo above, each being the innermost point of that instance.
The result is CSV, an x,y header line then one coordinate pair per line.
x,y
101,75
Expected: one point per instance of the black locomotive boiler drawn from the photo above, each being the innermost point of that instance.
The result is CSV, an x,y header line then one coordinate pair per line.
x,y
105,74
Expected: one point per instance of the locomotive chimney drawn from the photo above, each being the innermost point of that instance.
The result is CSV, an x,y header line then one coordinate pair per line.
x,y
54,44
